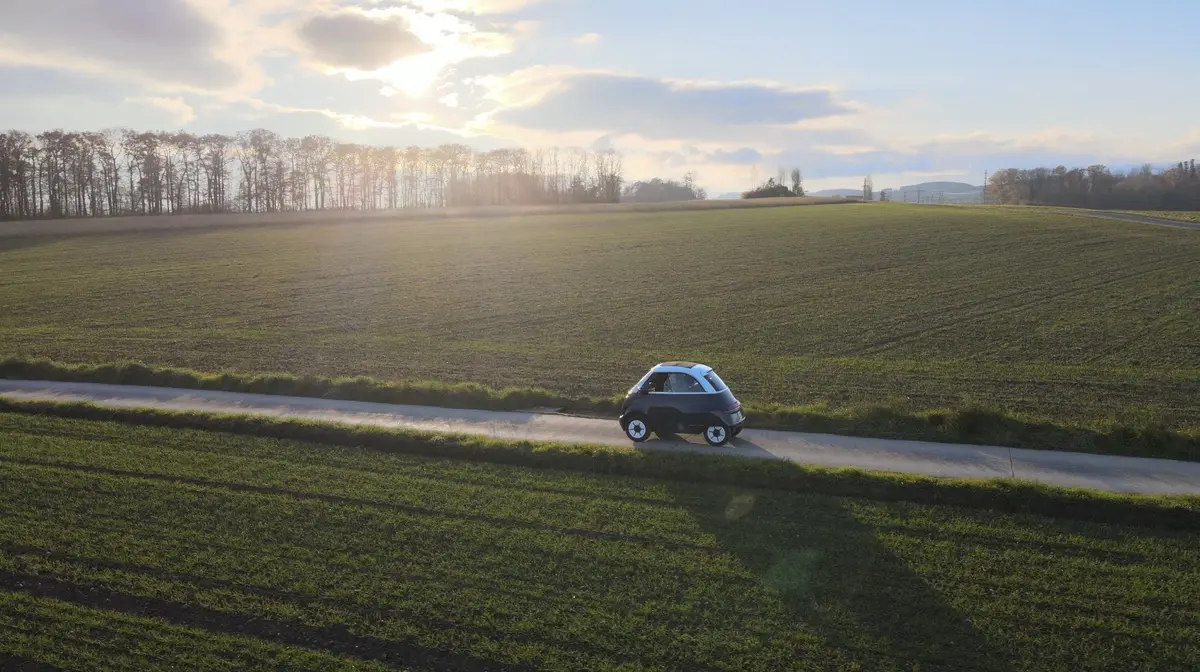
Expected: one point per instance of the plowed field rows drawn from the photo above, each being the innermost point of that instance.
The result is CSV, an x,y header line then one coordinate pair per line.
x,y
1069,318
136,548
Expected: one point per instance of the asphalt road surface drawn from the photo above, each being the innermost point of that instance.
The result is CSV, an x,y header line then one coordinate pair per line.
x,y
1102,472
1126,217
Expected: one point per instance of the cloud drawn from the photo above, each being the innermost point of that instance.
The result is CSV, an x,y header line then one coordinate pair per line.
x,y
420,117
167,41
402,47
966,154
343,125
352,39
565,100
587,38
603,143
183,113
983,142
474,6
1189,144
745,155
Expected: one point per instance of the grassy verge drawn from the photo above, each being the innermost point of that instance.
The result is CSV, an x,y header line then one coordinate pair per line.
x,y
993,494
972,424
1181,215
146,547
431,393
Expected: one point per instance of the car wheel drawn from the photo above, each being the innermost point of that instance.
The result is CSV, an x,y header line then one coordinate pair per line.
x,y
716,435
637,429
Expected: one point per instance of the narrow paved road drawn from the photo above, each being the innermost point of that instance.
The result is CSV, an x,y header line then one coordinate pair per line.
x,y
1126,217
1103,472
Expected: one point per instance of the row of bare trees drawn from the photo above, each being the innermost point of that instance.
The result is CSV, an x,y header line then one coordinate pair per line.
x,y
60,174
1175,188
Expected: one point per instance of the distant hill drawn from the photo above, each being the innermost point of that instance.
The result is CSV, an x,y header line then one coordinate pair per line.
x,y
947,187
730,195
949,191
945,191
837,192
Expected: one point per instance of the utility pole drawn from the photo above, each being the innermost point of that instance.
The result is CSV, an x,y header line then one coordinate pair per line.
x,y
983,195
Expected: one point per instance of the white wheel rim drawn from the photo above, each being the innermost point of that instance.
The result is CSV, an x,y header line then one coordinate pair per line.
x,y
637,429
717,434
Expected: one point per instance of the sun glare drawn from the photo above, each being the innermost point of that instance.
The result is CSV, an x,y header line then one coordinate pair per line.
x,y
449,39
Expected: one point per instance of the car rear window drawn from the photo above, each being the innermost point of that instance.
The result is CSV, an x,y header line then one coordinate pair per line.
x,y
715,381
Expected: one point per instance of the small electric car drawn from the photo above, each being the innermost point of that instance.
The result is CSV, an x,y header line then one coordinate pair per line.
x,y
684,398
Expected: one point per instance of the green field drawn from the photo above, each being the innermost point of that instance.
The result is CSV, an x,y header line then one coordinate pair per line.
x,y
144,548
1071,320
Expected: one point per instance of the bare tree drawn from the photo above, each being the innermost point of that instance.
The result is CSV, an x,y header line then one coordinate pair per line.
x,y
797,182
122,171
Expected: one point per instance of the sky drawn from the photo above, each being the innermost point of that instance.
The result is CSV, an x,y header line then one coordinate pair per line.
x,y
731,91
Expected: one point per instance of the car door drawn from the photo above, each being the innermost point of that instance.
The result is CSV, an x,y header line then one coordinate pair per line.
x,y
668,407
693,404
655,404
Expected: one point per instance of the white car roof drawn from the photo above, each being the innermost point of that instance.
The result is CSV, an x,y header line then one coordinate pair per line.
x,y
682,367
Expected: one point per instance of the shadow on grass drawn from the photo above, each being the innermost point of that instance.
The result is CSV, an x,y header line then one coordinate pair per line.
x,y
836,580
12,244
333,638
17,663
711,467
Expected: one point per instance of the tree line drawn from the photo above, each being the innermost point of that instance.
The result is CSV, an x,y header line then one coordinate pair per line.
x,y
1173,188
776,187
60,174
658,190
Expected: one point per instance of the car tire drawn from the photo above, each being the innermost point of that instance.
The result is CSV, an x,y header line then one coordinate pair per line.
x,y
716,435
637,429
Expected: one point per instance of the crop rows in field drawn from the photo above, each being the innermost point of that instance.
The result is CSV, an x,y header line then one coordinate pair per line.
x,y
145,546
1024,311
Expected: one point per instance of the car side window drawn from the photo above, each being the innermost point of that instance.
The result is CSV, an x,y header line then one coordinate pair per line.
x,y
682,382
657,382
